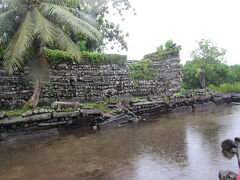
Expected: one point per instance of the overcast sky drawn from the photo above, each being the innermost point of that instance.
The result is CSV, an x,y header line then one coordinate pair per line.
x,y
185,22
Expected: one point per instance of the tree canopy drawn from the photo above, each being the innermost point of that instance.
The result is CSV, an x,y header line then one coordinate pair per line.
x,y
208,67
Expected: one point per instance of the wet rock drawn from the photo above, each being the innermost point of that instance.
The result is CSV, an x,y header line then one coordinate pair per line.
x,y
237,139
228,144
227,175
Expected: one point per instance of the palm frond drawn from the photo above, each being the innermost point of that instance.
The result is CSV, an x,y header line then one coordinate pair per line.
x,y
14,54
10,3
43,28
8,25
83,16
59,2
63,16
63,42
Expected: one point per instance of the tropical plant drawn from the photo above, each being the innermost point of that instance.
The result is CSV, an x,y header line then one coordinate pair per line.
x,y
206,54
112,34
28,26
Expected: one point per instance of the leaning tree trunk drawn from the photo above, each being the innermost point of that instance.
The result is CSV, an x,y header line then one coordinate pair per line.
x,y
42,74
33,102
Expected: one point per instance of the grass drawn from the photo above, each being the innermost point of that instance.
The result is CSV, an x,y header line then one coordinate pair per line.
x,y
102,106
16,112
227,87
19,112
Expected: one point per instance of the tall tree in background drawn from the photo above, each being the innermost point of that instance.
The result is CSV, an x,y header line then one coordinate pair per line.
x,y
28,26
205,57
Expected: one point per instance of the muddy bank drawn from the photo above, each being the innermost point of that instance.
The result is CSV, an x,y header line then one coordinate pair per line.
x,y
39,122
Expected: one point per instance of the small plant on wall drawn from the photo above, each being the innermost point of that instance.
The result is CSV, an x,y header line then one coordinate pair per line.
x,y
141,70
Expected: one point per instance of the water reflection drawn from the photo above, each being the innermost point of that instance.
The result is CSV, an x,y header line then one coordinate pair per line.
x,y
170,146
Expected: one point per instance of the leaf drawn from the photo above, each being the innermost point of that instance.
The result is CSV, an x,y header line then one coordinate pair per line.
x,y
13,58
63,16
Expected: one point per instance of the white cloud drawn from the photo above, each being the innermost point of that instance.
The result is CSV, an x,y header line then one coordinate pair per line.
x,y
183,21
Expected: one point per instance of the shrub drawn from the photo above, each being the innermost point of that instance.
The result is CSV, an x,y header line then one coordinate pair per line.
x,y
58,56
227,88
141,70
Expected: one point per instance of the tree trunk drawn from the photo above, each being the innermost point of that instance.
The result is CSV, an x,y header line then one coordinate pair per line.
x,y
41,74
202,80
33,102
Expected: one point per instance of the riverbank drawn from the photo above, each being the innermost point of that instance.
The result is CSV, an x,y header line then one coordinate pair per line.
x,y
166,146
48,121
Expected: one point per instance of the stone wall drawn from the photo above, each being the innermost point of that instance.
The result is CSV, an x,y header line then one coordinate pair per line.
x,y
90,82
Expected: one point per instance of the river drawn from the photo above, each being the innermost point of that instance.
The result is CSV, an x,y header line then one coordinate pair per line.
x,y
175,146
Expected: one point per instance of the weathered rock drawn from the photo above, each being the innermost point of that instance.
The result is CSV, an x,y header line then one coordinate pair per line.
x,y
2,114
228,144
90,82
11,120
66,105
65,114
227,175
40,117
90,111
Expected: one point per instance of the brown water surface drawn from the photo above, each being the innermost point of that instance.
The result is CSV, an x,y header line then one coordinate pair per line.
x,y
170,146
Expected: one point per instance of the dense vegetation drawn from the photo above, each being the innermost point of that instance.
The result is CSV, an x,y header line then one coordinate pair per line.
x,y
208,69
141,70
227,87
57,56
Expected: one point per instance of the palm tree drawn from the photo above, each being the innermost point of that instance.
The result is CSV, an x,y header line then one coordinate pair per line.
x,y
31,25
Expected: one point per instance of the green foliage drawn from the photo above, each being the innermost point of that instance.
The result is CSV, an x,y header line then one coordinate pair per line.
x,y
57,56
207,67
165,99
236,72
27,24
141,70
169,48
164,51
17,112
209,52
227,87
179,93
216,74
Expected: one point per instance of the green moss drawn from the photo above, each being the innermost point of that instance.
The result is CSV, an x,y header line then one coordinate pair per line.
x,y
69,110
141,70
57,56
17,112
179,93
102,106
165,99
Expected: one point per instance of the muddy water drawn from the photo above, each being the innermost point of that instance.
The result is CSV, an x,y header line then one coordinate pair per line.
x,y
170,146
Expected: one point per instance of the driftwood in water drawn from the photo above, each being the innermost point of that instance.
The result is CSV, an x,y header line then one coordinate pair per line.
x,y
136,118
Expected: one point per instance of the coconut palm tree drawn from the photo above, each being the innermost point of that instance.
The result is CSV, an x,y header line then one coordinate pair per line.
x,y
31,25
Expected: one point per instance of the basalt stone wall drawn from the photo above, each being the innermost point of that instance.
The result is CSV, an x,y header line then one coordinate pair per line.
x,y
90,82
